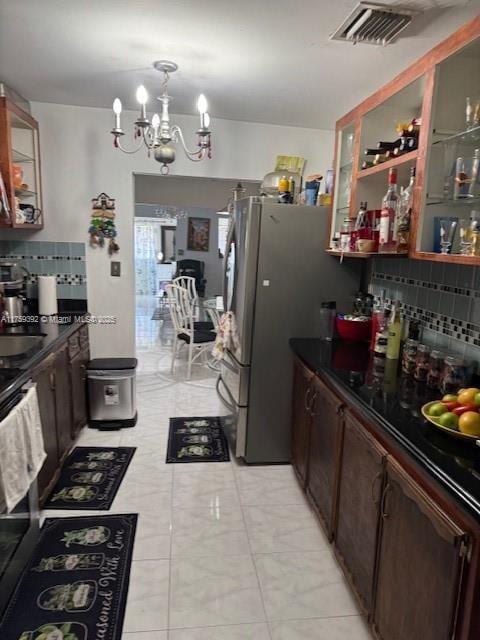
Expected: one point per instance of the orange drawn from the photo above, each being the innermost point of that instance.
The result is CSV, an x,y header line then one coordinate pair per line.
x,y
467,396
469,422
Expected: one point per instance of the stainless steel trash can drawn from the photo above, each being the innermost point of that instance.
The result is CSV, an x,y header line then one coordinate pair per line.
x,y
111,386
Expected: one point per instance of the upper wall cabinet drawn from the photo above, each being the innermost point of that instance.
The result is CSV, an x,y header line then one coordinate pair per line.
x,y
20,167
438,97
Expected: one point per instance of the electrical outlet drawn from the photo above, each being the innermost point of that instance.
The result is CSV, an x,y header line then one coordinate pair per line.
x,y
115,268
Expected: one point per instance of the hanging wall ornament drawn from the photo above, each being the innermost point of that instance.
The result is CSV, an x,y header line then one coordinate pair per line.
x,y
102,224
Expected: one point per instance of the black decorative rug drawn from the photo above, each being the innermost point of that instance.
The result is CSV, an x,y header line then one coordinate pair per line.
x,y
90,478
76,583
197,440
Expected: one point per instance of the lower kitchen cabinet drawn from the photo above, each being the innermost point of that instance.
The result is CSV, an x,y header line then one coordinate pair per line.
x,y
43,377
325,440
360,489
78,372
63,402
60,380
301,419
422,553
407,548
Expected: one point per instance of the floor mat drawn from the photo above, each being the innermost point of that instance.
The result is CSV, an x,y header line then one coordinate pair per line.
x,y
76,583
90,478
197,440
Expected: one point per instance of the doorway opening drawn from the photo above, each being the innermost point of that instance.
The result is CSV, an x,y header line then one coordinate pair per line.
x,y
180,222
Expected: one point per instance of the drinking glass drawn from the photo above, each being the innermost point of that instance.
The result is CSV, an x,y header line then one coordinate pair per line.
x,y
447,233
465,237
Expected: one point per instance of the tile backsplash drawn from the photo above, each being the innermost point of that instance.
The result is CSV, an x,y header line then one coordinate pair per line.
x,y
444,297
65,260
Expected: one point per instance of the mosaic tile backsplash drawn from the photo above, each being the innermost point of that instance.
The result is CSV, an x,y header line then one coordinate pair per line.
x,y
65,260
445,297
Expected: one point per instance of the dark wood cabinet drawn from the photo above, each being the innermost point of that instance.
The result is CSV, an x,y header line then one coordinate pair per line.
x,y
43,377
78,369
359,492
60,380
63,402
422,553
302,393
325,441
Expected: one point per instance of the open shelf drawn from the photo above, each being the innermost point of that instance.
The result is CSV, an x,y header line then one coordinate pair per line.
x,y
364,255
472,202
388,164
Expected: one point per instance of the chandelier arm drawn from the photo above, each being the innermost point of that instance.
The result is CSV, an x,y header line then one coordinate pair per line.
x,y
119,146
194,156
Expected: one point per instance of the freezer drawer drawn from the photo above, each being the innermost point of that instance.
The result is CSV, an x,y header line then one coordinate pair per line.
x,y
235,423
236,377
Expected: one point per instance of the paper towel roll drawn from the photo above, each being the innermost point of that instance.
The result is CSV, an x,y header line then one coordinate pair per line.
x,y
47,295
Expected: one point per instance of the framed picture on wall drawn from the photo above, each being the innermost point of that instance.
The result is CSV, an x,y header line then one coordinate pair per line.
x,y
198,234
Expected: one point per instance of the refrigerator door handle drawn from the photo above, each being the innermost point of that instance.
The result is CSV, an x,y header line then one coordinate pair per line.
x,y
230,238
229,405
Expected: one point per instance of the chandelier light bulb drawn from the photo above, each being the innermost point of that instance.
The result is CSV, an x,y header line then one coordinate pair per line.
x,y
155,121
142,95
206,120
202,104
117,106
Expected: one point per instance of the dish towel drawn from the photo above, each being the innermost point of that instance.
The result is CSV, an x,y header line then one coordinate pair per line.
x,y
227,337
22,451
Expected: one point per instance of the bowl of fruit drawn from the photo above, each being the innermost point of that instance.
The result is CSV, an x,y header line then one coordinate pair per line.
x,y
456,414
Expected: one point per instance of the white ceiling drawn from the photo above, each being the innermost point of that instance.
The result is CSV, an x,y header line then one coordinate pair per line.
x,y
257,60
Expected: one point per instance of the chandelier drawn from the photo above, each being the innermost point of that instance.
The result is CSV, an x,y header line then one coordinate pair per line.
x,y
170,213
159,134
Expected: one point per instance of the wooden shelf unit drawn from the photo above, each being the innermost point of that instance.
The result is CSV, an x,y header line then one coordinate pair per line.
x,y
19,144
420,91
365,254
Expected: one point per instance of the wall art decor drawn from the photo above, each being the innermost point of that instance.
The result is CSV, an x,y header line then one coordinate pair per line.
x,y
198,234
102,224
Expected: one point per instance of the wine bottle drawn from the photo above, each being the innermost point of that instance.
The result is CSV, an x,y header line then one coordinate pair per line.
x,y
379,158
366,164
388,145
404,215
387,241
371,152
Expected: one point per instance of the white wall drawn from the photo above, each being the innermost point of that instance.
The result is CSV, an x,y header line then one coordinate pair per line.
x,y
79,161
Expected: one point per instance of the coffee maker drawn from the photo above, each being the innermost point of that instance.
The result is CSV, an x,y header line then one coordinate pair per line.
x,y
12,291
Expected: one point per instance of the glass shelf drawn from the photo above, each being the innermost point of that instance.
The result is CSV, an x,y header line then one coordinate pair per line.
x,y
347,167
18,156
471,136
26,193
432,201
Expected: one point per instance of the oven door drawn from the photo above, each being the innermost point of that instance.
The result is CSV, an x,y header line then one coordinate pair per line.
x,y
235,423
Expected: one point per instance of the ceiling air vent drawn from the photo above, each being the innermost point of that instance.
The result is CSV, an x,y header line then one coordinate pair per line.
x,y
373,24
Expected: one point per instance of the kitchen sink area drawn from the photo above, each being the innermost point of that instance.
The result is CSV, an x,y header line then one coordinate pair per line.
x,y
12,345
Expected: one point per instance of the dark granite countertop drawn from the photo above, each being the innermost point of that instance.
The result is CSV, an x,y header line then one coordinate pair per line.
x,y
15,371
393,401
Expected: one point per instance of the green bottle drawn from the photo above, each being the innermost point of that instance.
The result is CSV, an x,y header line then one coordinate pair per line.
x,y
394,335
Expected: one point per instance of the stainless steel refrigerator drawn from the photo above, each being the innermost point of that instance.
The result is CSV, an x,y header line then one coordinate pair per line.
x,y
276,274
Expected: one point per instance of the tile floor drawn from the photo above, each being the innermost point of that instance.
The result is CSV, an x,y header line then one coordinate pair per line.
x,y
223,551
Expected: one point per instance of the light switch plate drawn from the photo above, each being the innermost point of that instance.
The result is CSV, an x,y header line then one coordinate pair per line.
x,y
115,268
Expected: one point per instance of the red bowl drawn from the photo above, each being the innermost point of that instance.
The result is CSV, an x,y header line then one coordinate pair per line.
x,y
354,330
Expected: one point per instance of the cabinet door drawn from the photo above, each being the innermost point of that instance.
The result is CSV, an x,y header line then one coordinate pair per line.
x,y
301,421
420,564
78,368
324,450
359,493
63,402
43,376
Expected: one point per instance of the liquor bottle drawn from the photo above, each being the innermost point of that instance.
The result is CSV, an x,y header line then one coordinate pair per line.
x,y
387,240
394,334
404,216
379,158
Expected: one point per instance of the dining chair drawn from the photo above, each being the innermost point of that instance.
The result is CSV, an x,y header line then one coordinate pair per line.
x,y
189,284
182,315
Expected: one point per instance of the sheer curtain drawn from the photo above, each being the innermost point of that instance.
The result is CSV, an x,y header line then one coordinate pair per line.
x,y
147,248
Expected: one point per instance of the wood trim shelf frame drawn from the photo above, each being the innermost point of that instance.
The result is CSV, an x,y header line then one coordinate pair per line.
x,y
425,67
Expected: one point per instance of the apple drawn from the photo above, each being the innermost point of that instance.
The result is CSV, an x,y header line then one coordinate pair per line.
x,y
437,409
450,397
449,420
476,399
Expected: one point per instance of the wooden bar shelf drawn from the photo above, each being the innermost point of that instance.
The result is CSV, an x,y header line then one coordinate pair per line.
x,y
431,93
406,158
